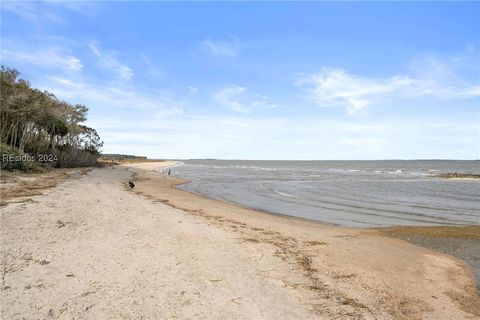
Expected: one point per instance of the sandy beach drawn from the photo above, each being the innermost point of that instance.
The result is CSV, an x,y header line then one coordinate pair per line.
x,y
91,248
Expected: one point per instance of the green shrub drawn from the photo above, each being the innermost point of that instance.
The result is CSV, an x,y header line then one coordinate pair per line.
x,y
12,159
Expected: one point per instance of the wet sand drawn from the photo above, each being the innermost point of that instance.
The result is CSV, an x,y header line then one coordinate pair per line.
x,y
381,262
92,248
461,242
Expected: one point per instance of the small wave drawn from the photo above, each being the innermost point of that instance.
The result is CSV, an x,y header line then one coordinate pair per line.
x,y
344,170
260,168
395,172
166,168
243,167
223,167
418,173
286,195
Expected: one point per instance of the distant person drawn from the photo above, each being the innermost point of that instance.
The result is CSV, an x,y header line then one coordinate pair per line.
x,y
169,171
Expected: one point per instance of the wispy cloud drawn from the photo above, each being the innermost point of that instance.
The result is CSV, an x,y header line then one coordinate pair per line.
x,y
195,136
472,91
235,97
192,90
455,76
39,12
51,57
30,11
428,76
335,87
81,7
221,49
100,95
108,60
65,82
153,69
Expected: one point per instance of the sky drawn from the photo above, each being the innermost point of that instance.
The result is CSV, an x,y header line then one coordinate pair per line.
x,y
260,80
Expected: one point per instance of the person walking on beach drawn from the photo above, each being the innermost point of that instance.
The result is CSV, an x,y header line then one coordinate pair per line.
x,y
169,171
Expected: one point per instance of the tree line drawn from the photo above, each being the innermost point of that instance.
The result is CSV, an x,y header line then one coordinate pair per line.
x,y
36,123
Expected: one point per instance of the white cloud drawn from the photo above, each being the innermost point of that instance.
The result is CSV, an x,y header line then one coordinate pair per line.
x,y
51,57
190,136
235,97
109,61
227,97
153,69
427,77
192,90
30,11
65,81
447,77
104,95
81,7
39,12
221,49
472,91
336,87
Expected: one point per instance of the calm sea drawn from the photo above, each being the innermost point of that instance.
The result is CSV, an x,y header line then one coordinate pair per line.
x,y
348,193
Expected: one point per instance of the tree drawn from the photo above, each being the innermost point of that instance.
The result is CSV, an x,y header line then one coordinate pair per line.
x,y
35,121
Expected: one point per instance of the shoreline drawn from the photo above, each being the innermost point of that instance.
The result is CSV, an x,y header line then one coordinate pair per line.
x,y
102,250
452,240
462,242
303,229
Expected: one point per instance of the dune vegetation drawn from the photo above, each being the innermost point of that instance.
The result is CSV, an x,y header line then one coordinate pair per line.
x,y
39,130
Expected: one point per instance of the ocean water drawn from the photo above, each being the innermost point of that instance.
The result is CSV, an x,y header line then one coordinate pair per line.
x,y
347,193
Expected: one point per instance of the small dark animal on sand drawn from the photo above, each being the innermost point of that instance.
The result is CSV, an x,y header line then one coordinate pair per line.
x,y
131,184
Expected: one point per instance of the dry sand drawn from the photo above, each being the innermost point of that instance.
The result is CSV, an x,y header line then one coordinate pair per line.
x,y
93,249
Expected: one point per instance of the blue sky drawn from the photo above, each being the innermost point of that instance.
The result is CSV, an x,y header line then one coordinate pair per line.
x,y
246,80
